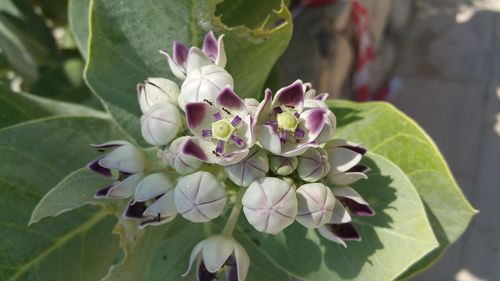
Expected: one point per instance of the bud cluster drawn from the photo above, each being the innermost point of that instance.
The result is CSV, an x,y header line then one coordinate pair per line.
x,y
280,153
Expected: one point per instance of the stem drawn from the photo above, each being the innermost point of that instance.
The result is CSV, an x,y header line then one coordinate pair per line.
x,y
233,217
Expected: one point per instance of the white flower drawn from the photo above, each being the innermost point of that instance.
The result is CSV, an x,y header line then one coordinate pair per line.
x,y
270,204
313,165
153,201
353,201
125,158
157,90
340,228
253,167
344,158
180,161
217,252
212,51
316,203
161,123
224,129
284,126
283,166
199,197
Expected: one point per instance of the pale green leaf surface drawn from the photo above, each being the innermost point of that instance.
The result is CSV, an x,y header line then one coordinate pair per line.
x,y
396,237
35,156
21,107
390,133
78,16
126,35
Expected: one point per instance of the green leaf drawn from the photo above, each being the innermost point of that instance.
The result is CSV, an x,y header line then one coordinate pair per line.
x,y
21,107
388,132
126,35
78,13
36,155
397,236
75,190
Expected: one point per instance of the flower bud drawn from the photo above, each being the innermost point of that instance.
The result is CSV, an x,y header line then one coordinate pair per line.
x,y
313,165
199,197
204,84
157,90
160,124
270,204
180,161
283,166
253,167
316,203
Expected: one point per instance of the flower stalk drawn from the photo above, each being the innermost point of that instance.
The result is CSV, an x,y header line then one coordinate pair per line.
x,y
233,217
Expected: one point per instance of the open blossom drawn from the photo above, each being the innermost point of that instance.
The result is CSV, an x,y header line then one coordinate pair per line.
x,y
344,158
217,252
284,126
125,158
224,129
212,50
153,201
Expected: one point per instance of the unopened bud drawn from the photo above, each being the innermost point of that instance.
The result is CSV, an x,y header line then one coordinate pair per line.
x,y
160,124
313,164
283,166
316,203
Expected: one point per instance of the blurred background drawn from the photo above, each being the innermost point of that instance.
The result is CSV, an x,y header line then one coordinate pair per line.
x,y
439,62
436,60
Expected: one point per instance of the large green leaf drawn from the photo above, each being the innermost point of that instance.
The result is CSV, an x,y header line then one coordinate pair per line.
x,y
35,156
388,132
396,237
126,35
20,107
78,15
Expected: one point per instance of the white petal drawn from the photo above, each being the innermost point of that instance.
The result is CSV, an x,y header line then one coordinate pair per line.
x,y
330,236
221,56
124,188
161,124
164,207
342,159
340,214
152,186
125,158
216,251
268,138
196,59
342,179
177,70
194,255
350,193
242,261
157,90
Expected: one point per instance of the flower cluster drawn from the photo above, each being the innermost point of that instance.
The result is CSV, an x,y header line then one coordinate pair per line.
x,y
279,153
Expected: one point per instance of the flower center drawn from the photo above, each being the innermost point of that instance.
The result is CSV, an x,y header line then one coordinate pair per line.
x,y
222,130
287,121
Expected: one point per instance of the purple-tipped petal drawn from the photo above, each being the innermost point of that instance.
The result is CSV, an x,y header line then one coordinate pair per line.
x,y
236,121
135,210
358,169
283,136
192,148
359,149
203,274
263,108
345,231
355,208
229,100
109,145
321,97
180,53
219,149
291,95
217,116
103,192
210,46
315,121
196,113
206,133
238,141
299,133
94,166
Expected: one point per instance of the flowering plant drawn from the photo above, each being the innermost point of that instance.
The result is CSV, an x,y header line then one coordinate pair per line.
x,y
211,170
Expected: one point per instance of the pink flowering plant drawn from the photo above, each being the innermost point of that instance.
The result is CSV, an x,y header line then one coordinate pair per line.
x,y
202,168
